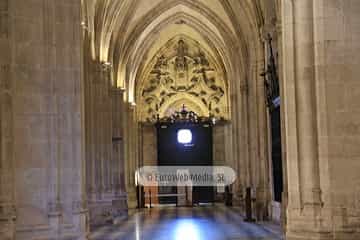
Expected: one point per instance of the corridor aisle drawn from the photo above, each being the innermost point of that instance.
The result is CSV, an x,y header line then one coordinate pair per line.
x,y
201,223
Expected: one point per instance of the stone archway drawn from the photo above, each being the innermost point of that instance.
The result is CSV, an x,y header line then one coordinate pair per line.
x,y
128,42
69,126
243,70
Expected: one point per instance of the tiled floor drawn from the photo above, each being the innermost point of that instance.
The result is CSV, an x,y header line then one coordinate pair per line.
x,y
200,223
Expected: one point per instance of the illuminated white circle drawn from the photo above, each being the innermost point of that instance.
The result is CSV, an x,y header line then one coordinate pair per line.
x,y
184,136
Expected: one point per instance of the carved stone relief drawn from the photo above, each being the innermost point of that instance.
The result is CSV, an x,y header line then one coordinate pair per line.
x,y
183,73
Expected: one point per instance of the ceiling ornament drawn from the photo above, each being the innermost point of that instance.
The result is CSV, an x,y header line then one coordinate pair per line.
x,y
184,72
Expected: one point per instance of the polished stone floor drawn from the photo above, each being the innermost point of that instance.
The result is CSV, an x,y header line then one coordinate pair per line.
x,y
200,223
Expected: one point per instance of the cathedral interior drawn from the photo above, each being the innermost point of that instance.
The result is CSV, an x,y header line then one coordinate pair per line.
x,y
91,91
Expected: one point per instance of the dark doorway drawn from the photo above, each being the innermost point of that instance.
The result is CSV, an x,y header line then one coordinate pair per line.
x,y
197,152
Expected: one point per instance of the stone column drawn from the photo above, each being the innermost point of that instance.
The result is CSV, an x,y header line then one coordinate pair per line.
x,y
117,139
244,91
240,115
99,131
241,156
148,148
47,117
102,127
306,103
101,113
117,155
90,101
284,196
7,208
107,131
235,126
263,186
96,128
300,119
130,141
219,139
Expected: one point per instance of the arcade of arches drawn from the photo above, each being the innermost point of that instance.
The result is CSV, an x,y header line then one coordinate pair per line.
x,y
82,83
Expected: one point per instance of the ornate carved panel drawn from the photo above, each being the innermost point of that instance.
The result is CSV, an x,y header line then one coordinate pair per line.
x,y
182,73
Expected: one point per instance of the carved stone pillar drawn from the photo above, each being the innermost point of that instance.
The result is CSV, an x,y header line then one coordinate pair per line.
x,y
240,115
90,120
300,116
101,131
130,141
232,145
245,155
96,130
284,196
239,143
107,131
101,113
219,141
7,208
306,102
263,186
46,120
101,171
117,164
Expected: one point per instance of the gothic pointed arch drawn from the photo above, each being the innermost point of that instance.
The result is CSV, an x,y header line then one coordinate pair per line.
x,y
188,13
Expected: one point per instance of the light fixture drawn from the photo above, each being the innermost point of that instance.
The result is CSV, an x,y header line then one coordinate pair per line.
x,y
184,136
84,25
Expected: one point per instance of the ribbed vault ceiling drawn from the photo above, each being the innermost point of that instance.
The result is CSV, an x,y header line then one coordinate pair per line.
x,y
130,33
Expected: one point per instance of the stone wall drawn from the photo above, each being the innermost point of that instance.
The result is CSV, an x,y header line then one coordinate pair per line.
x,y
219,145
321,90
7,208
337,58
104,145
149,145
42,124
